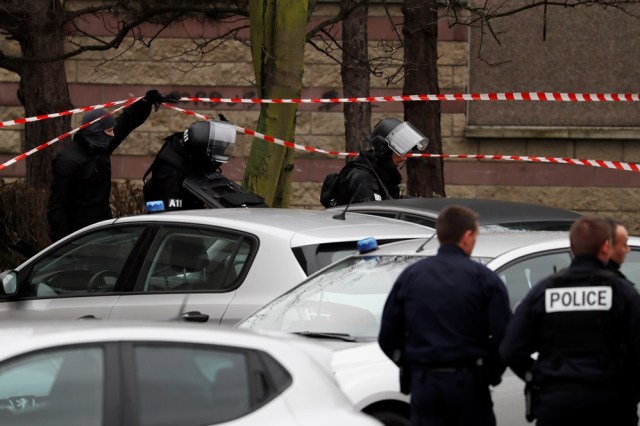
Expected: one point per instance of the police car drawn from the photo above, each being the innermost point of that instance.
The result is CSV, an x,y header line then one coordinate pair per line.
x,y
210,264
342,306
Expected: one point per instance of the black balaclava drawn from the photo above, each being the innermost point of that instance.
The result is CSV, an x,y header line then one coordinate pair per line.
x,y
95,136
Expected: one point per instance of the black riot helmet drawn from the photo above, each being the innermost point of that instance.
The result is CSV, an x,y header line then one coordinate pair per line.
x,y
391,134
213,140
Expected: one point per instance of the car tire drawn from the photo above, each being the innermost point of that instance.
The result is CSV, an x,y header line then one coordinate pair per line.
x,y
390,418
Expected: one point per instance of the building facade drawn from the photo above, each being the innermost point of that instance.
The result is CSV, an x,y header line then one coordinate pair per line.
x,y
581,57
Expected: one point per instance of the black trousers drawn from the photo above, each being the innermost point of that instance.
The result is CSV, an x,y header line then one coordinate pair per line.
x,y
585,407
450,398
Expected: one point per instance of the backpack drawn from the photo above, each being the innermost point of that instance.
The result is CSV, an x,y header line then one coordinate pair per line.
x,y
330,190
167,159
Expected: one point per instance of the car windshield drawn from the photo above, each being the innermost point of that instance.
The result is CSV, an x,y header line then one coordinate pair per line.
x,y
346,298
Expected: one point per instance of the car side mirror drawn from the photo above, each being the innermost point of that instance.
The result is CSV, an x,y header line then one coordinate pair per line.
x,y
9,283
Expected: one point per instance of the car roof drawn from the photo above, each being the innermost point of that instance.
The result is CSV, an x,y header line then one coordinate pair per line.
x,y
299,225
489,211
488,245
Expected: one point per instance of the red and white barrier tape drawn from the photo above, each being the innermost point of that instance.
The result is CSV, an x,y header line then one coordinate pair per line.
x,y
635,167
64,135
507,96
63,113
510,96
618,165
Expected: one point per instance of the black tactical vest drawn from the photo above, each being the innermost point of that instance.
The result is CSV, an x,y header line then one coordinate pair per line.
x,y
579,320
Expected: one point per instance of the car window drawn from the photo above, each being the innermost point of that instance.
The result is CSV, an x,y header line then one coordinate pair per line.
x,y
420,220
89,264
521,275
190,385
312,258
61,387
185,259
631,267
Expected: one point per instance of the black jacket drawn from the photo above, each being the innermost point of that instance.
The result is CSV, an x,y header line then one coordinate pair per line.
x,y
182,181
526,332
445,310
81,184
168,172
358,181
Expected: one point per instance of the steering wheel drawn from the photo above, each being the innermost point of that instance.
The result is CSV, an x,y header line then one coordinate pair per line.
x,y
97,283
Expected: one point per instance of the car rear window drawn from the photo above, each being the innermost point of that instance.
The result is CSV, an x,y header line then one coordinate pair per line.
x,y
314,257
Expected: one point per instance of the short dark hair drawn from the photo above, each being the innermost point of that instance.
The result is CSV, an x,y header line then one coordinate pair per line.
x,y
614,226
453,221
588,233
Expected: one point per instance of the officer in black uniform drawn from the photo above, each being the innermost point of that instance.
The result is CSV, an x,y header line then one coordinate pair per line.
x,y
619,247
186,172
584,323
373,175
81,184
443,321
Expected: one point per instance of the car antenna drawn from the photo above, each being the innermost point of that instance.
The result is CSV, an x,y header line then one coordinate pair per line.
x,y
425,243
343,214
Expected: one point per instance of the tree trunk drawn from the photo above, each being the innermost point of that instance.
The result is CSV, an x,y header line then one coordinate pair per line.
x,y
425,176
355,77
278,34
43,86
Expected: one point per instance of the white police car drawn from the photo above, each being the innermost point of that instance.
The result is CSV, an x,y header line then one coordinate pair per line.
x,y
342,306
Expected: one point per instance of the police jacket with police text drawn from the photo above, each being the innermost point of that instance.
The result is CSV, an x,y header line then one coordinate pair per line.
x,y
583,322
445,310
81,184
358,181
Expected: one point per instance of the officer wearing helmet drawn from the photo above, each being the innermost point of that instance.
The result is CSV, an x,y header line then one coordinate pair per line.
x,y
81,185
186,172
373,175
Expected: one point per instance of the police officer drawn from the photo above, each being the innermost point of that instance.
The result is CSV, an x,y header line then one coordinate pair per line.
x,y
584,323
81,185
443,321
373,175
619,247
186,172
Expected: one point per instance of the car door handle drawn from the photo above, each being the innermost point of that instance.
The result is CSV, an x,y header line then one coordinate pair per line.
x,y
87,317
195,316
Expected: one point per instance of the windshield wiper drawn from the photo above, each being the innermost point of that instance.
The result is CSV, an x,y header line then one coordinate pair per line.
x,y
345,337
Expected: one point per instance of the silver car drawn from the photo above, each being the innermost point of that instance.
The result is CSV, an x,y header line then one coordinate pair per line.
x,y
105,373
216,264
342,306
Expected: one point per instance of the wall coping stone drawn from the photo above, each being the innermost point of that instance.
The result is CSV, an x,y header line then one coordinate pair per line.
x,y
525,132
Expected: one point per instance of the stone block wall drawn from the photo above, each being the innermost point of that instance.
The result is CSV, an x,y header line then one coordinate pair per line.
x,y
96,77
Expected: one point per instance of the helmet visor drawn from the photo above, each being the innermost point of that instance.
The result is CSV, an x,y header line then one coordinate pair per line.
x,y
404,137
222,141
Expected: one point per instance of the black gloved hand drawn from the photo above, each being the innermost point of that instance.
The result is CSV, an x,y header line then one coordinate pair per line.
x,y
172,97
154,97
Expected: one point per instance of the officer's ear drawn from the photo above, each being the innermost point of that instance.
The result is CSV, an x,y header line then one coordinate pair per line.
x,y
604,253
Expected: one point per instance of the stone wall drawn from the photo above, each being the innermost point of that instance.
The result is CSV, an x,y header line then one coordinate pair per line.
x,y
97,77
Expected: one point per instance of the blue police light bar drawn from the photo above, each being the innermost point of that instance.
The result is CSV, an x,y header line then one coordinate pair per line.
x,y
367,244
155,206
